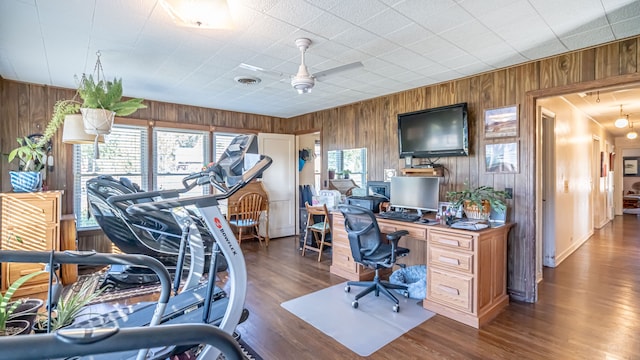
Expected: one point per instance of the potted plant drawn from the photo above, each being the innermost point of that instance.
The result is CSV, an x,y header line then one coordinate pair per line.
x,y
33,150
69,307
477,203
105,97
7,308
102,101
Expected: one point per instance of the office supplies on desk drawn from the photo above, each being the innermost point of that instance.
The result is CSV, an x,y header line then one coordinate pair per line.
x,y
470,225
400,216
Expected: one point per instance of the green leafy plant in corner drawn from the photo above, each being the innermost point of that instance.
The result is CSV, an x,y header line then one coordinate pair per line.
x,y
6,306
476,197
71,305
32,154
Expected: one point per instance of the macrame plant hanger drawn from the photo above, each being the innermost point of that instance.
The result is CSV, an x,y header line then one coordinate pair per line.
x,y
97,121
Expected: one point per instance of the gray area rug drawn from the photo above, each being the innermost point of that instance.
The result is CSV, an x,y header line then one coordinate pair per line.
x,y
363,330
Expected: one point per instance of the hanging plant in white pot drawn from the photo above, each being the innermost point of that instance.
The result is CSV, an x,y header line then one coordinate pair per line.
x,y
102,101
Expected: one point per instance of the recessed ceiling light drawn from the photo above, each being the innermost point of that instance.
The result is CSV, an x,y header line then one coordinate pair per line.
x,y
247,80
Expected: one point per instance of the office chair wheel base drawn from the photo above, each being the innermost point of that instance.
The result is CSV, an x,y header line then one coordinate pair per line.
x,y
396,308
347,288
355,304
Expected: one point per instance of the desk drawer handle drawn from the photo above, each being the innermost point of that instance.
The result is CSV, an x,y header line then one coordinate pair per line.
x,y
449,260
449,242
449,290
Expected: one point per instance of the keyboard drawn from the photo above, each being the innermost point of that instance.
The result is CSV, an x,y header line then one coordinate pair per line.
x,y
400,216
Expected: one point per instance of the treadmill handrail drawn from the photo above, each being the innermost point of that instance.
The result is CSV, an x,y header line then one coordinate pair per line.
x,y
146,194
248,176
93,258
80,342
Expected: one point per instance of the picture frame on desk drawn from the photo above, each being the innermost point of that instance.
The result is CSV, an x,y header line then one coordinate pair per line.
x,y
501,122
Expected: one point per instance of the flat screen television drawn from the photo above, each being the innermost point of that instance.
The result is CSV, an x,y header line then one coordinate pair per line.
x,y
433,133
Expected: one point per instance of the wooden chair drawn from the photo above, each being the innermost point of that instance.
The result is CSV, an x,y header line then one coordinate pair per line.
x,y
246,214
319,228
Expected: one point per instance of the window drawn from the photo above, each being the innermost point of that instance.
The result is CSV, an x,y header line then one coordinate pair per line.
x,y
124,154
176,154
220,143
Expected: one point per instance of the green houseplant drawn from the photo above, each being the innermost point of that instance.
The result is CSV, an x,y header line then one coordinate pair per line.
x,y
70,306
102,96
7,307
477,203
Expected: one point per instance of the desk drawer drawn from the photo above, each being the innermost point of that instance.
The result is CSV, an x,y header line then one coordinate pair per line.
x,y
455,260
342,258
453,241
450,289
18,270
416,232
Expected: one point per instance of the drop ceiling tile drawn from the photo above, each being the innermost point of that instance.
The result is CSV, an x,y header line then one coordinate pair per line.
x,y
582,40
622,10
409,34
327,25
294,12
626,28
385,22
358,11
449,14
545,49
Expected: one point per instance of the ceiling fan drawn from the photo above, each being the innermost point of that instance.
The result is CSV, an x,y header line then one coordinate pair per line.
x,y
303,81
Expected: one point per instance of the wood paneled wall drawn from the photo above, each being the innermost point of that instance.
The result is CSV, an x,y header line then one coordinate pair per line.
x,y
372,124
25,109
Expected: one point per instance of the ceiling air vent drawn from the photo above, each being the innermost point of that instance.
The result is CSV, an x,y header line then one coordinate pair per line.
x,y
247,80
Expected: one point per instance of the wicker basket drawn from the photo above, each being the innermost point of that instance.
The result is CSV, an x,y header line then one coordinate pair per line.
x,y
472,211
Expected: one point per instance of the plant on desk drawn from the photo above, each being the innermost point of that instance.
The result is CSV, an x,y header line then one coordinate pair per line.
x,y
477,203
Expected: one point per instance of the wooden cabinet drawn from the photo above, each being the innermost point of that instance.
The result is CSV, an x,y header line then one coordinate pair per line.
x,y
466,273
29,221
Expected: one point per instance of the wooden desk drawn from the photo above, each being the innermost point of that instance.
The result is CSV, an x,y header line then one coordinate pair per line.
x,y
466,270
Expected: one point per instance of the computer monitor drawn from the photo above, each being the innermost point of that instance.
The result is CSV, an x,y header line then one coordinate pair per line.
x,y
415,192
379,188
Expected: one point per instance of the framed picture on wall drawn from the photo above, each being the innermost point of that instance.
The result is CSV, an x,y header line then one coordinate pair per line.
x,y
501,122
630,166
501,157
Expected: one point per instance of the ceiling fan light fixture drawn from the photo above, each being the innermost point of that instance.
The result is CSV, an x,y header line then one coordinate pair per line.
x,y
303,84
201,14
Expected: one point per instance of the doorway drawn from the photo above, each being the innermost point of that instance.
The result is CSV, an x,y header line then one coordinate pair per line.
x,y
546,248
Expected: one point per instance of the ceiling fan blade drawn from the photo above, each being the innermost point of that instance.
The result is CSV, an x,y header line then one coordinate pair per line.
x,y
262,70
338,69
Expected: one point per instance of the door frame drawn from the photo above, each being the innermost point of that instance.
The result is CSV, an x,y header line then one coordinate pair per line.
x,y
529,291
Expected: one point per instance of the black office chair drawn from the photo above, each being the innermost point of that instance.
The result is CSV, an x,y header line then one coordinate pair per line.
x,y
368,249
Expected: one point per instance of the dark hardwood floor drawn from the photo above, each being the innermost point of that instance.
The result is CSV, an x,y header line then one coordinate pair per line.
x,y
588,308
